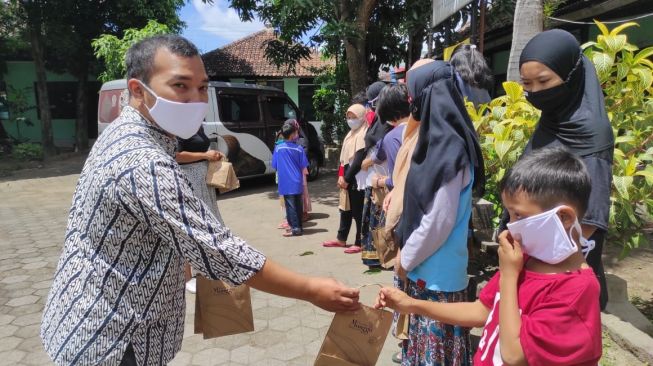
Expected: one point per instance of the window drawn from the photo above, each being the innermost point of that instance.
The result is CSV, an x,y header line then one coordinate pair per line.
x,y
306,93
281,109
238,108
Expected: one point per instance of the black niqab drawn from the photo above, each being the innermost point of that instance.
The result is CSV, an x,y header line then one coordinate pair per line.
x,y
582,125
447,141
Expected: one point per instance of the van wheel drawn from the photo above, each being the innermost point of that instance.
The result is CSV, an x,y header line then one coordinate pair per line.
x,y
313,168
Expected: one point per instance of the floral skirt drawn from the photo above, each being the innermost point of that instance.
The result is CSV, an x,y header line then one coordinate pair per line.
x,y
196,174
373,217
431,343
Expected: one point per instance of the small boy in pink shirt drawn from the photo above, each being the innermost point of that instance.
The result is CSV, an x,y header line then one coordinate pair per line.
x,y
542,307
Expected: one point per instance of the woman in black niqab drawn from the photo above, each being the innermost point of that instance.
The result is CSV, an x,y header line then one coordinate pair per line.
x,y
562,82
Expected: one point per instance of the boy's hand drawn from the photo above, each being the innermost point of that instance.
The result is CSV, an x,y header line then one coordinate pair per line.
x,y
511,257
393,298
342,183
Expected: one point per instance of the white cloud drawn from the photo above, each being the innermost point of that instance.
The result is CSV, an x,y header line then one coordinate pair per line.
x,y
222,21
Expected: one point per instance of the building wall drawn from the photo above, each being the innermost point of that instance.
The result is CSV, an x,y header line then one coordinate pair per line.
x,y
22,74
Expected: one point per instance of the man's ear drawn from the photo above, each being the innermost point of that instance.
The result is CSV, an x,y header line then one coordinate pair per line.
x,y
136,90
567,216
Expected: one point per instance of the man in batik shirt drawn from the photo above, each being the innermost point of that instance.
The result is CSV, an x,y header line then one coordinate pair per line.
x,y
118,292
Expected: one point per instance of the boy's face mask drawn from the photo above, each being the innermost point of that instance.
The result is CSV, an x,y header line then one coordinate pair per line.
x,y
544,237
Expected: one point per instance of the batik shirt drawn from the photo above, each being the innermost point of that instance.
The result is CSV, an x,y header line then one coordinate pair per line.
x,y
134,220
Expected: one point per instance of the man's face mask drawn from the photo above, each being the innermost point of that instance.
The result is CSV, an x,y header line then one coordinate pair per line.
x,y
543,236
180,119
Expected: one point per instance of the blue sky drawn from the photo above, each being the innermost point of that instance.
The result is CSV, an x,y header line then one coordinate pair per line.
x,y
213,26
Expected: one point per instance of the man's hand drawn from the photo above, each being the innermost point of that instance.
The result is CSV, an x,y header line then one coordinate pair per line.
x,y
393,298
366,164
213,155
332,295
387,200
511,257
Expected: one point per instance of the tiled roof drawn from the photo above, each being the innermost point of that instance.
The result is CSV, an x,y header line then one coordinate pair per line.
x,y
246,57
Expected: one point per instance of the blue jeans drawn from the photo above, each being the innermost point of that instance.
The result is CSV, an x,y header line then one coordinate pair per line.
x,y
294,212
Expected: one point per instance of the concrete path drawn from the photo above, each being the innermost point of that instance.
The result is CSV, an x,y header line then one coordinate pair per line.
x,y
33,215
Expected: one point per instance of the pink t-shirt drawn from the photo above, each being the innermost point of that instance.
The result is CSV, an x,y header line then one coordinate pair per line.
x,y
560,315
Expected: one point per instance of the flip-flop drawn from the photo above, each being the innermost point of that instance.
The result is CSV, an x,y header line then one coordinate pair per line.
x,y
353,249
283,225
396,357
333,244
288,234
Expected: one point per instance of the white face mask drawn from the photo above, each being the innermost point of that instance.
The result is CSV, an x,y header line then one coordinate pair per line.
x,y
354,124
180,119
544,237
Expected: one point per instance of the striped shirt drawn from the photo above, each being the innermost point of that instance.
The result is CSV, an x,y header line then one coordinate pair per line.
x,y
134,220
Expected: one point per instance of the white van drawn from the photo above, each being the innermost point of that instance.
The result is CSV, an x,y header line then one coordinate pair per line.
x,y
242,122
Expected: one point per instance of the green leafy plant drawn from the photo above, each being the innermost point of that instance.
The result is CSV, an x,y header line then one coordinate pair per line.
x,y
626,75
504,126
18,105
331,102
28,151
112,50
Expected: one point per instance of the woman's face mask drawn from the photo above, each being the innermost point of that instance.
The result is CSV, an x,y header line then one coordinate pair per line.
x,y
543,236
550,100
355,123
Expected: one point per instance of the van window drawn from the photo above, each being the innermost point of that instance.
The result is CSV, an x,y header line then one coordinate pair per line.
x,y
109,105
281,109
238,108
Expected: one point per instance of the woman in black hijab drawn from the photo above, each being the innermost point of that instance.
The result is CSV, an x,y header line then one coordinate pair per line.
x,y
446,167
561,82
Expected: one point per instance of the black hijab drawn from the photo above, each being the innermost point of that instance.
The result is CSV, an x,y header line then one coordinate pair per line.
x,y
582,124
378,129
447,142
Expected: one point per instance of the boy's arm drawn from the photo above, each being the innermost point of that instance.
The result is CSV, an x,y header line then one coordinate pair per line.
x,y
511,262
466,314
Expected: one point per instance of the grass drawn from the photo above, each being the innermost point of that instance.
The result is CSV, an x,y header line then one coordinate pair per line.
x,y
644,306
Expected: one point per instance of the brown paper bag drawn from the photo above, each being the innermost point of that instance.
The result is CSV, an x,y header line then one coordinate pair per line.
x,y
222,310
221,174
378,195
355,338
385,247
401,331
343,202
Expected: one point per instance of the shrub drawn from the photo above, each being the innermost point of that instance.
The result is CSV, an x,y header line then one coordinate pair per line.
x,y
626,75
28,151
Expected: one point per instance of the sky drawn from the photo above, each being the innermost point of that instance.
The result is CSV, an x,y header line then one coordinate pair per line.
x,y
213,26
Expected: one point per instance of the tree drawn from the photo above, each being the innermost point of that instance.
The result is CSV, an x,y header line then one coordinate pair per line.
x,y
528,21
112,50
80,22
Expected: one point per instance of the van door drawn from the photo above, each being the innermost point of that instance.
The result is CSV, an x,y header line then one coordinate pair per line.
x,y
242,129
279,109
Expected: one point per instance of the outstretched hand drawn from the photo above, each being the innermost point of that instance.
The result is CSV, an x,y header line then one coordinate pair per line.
x,y
331,295
390,297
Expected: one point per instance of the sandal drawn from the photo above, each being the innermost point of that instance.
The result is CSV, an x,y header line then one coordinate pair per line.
x,y
396,357
333,244
283,225
353,249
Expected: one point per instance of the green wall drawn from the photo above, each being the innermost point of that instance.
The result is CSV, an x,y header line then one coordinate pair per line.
x,y
22,74
500,62
291,87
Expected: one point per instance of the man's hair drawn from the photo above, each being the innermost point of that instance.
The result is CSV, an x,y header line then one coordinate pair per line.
x,y
471,66
393,103
140,56
549,177
288,129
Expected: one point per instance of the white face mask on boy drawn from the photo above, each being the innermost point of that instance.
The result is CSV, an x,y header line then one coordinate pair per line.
x,y
544,237
180,119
